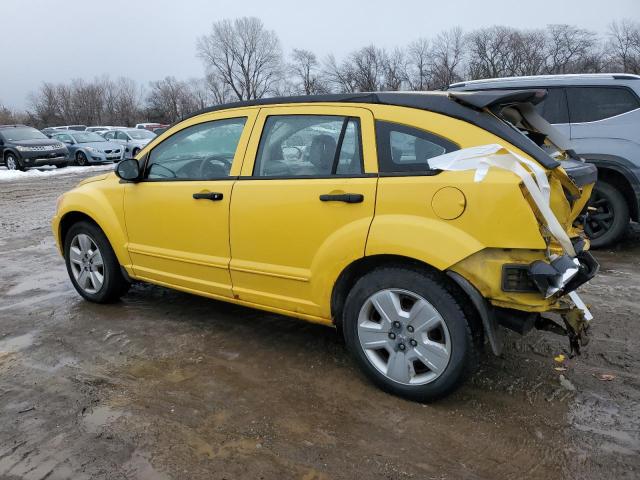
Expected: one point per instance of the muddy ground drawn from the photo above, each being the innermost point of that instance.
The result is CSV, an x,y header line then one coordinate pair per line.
x,y
168,385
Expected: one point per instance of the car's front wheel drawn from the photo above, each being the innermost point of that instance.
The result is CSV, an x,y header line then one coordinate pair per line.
x,y
408,333
12,162
92,265
81,159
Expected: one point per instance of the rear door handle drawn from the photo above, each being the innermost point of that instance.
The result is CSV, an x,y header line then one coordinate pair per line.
x,y
343,197
214,196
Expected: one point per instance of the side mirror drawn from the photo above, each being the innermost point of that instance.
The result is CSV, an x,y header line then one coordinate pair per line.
x,y
68,142
128,170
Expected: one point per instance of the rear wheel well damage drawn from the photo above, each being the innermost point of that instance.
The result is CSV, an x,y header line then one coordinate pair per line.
x,y
621,183
364,265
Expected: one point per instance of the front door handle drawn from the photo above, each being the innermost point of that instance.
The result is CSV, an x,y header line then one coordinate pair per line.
x,y
214,196
343,197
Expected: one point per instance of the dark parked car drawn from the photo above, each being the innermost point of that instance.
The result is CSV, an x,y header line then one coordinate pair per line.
x,y
89,147
22,147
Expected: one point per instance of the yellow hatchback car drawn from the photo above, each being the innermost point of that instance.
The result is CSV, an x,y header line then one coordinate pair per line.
x,y
416,223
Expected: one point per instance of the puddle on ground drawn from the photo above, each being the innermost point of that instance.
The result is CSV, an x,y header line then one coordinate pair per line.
x,y
102,416
17,343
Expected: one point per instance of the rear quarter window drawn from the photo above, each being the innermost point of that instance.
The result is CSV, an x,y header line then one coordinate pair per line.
x,y
404,149
590,104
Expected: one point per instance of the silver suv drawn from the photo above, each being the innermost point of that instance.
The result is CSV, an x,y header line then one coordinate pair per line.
x,y
601,115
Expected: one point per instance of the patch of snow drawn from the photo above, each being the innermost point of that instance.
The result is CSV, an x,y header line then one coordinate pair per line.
x,y
47,171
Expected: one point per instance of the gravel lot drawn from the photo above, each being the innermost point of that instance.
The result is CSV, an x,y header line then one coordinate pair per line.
x,y
168,385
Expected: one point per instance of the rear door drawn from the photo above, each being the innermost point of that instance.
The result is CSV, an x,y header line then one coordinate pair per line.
x,y
603,112
302,208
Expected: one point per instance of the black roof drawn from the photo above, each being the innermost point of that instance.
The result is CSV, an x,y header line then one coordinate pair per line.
x,y
466,106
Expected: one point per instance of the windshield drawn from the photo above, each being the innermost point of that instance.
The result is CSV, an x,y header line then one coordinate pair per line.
x,y
140,134
22,133
87,137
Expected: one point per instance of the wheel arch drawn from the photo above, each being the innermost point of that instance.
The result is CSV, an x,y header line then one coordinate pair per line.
x,y
360,267
618,180
617,171
114,234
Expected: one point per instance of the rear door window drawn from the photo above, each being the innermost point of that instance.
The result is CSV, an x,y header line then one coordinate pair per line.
x,y
590,104
407,149
309,146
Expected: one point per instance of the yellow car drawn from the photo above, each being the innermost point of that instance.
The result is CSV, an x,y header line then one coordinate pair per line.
x,y
418,224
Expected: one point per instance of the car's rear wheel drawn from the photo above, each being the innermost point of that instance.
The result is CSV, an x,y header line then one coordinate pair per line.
x,y
92,265
81,159
408,334
13,163
608,217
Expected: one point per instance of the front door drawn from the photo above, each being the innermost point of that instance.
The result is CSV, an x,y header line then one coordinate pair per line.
x,y
177,218
303,206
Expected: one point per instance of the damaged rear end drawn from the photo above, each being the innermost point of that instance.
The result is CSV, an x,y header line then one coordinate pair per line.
x,y
557,187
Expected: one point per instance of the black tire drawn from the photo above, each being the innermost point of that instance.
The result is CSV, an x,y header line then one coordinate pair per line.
x,y
114,283
609,223
81,159
464,355
10,160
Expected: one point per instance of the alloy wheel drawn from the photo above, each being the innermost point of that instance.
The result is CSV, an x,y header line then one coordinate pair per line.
x,y
12,164
404,337
600,217
86,263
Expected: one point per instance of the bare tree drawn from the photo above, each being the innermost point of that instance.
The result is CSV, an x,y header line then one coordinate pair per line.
x,y
624,46
418,65
219,91
45,106
304,68
395,70
447,55
244,55
340,75
568,48
367,70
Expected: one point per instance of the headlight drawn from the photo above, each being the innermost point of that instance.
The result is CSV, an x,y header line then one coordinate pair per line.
x,y
93,150
23,149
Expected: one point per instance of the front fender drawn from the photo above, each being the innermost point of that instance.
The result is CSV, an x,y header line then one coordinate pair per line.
x,y
104,205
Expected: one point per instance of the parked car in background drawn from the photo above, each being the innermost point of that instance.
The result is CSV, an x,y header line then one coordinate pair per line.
x,y
89,147
365,228
150,126
98,129
48,131
79,128
601,115
132,139
22,147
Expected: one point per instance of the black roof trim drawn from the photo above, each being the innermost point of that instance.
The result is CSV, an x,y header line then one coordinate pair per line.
x,y
467,107
491,98
625,76
16,125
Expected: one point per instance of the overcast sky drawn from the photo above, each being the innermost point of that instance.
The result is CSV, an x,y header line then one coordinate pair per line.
x,y
55,41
